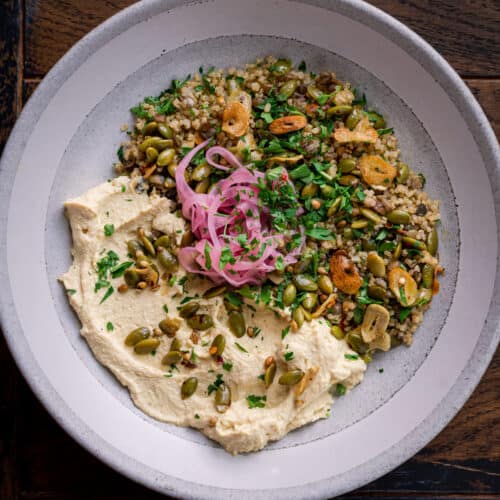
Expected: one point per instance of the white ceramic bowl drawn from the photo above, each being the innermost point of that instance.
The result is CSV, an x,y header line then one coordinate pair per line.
x,y
65,141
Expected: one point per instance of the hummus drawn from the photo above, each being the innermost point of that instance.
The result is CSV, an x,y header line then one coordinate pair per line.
x,y
108,316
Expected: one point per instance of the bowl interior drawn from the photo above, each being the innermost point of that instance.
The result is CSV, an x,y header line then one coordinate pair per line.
x,y
91,152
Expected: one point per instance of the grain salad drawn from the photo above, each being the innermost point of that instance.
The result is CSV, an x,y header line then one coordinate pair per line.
x,y
266,240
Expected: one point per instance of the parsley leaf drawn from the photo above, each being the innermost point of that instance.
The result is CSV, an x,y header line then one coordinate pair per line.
x,y
256,401
351,356
289,356
240,347
319,233
216,384
340,390
109,326
227,365
404,313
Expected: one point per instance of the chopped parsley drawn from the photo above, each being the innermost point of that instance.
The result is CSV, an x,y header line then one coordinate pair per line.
x,y
240,347
381,370
216,383
108,294
119,153
385,131
196,416
351,356
227,365
109,229
71,291
404,313
165,308
340,390
319,233
256,401
109,326
289,356
285,332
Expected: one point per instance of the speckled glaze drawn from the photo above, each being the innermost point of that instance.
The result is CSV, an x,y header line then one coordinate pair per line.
x,y
147,45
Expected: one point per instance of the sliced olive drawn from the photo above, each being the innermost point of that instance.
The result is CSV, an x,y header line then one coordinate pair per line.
x,y
137,335
146,346
309,190
170,326
201,172
433,241
150,128
188,309
413,243
155,142
356,342
313,92
427,276
354,118
368,245
359,224
171,358
269,374
200,321
188,387
348,180
237,323
370,215
397,251
151,154
403,173
165,131
166,157
281,67
291,377
305,283
287,89
175,345
300,266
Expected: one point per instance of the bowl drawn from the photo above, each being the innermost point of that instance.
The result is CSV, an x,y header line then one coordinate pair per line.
x,y
65,142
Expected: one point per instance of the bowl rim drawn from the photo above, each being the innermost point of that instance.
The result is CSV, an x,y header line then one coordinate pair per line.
x,y
479,127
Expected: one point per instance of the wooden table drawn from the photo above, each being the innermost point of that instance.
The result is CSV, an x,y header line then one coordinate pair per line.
x,y
38,460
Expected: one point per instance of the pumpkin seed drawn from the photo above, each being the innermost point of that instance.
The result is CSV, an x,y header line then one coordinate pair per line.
x,y
131,277
433,241
348,233
334,207
155,142
215,291
187,238
201,172
146,346
348,180
397,251
188,309
169,326
375,264
151,154
218,345
134,246
175,345
169,183
398,217
202,187
237,323
413,243
298,316
171,358
309,190
150,128
269,374
370,215
137,335
325,284
359,224
291,377
300,266
200,321
337,332
427,276
305,283
368,245
163,241
189,387
148,246
289,294
167,260
222,398
171,169
347,165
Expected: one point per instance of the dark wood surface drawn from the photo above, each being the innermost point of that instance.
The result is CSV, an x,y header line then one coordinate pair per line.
x,y
38,460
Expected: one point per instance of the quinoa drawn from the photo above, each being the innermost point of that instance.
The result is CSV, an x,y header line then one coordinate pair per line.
x,y
192,110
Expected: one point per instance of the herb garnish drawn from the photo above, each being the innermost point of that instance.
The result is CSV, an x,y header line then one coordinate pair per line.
x,y
256,401
109,229
216,384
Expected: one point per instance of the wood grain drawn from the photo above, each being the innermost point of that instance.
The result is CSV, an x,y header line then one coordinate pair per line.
x,y
38,460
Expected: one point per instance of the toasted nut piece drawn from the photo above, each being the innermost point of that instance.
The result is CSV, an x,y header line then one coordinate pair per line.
x,y
235,119
287,160
344,273
375,323
268,361
304,383
287,124
403,286
375,171
363,132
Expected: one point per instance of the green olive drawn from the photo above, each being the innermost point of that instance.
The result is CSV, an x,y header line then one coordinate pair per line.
x,y
171,169
175,345
376,264
433,241
300,266
202,187
305,283
413,243
131,277
171,358
356,342
169,183
166,157
155,142
187,310
137,335
289,294
187,238
218,345
354,118
403,173
163,241
146,346
237,323
188,387
370,215
165,131
313,92
376,119
281,67
377,292
269,374
398,217
287,89
348,233
151,155
368,245
309,190
340,110
200,321
169,326
348,180
427,276
291,377
347,165
149,129
337,332
334,206
134,246
309,301
214,291
327,191
201,172
298,316
325,284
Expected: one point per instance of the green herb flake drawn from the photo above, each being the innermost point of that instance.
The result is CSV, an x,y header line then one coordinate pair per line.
x,y
71,291
196,416
340,390
227,365
240,347
319,233
302,66
165,308
285,332
351,356
216,384
381,370
108,294
289,356
256,401
402,294
404,313
109,326
385,131
119,153
208,259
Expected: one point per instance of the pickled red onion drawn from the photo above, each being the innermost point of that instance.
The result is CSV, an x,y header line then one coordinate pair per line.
x,y
236,243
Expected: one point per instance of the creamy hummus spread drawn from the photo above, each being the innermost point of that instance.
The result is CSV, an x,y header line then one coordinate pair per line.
x,y
103,220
